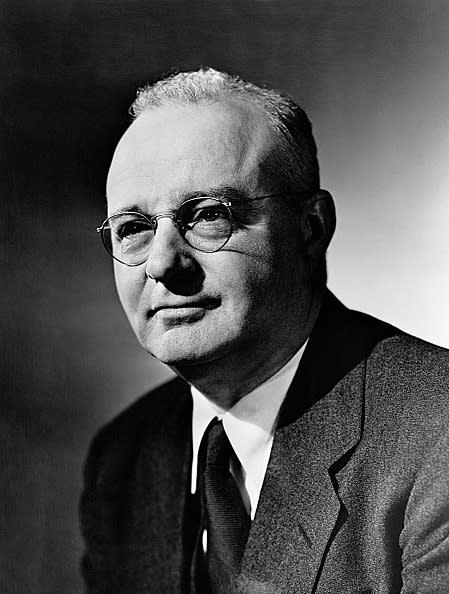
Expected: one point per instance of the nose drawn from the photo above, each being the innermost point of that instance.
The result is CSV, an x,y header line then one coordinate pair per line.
x,y
169,256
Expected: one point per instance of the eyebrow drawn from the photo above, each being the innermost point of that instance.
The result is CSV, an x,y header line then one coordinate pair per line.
x,y
225,192
133,208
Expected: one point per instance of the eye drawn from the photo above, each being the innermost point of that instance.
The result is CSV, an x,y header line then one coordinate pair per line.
x,y
132,228
203,211
208,214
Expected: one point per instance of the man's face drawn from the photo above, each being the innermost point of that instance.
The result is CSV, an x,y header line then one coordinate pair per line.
x,y
199,307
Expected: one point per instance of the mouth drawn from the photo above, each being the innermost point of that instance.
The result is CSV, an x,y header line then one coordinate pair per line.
x,y
185,308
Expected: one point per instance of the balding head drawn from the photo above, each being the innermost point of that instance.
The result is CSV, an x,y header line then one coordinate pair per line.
x,y
292,165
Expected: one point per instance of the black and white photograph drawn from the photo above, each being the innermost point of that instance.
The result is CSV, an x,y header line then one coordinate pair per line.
x,y
225,321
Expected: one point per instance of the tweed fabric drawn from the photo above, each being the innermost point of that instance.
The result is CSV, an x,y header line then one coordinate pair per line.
x,y
356,494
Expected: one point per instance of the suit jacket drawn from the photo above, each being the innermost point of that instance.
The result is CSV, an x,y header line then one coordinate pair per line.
x,y
356,494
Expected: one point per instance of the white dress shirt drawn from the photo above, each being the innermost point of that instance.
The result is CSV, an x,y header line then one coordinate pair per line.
x,y
250,426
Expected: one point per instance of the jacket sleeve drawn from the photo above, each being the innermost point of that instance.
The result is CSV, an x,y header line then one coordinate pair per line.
x,y
425,535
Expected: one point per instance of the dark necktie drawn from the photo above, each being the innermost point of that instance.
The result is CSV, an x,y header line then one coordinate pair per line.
x,y
224,515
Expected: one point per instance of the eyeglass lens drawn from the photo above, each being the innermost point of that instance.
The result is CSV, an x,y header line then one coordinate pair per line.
x,y
205,223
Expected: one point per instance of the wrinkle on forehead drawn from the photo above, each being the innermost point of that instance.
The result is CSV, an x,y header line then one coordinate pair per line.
x,y
230,138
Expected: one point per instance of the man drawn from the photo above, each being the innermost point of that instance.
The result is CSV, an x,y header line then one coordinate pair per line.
x,y
303,447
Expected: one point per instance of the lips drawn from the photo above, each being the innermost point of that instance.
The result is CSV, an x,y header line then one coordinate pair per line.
x,y
206,303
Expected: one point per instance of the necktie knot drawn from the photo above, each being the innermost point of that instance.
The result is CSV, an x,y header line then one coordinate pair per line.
x,y
218,447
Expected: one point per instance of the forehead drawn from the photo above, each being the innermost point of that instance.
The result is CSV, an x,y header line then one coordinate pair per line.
x,y
179,149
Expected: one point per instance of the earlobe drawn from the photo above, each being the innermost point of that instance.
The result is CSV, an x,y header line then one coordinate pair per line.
x,y
318,223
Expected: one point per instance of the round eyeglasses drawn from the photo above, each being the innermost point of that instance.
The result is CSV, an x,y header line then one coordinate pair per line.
x,y
204,222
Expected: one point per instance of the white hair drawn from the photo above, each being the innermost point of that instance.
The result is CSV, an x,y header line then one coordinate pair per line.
x,y
292,166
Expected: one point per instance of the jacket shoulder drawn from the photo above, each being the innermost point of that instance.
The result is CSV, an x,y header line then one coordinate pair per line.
x,y
115,444
405,360
407,389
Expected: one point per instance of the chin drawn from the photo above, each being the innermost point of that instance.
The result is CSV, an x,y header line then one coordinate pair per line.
x,y
185,348
179,352
180,358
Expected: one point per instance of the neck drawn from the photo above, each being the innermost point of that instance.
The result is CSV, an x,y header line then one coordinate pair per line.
x,y
227,379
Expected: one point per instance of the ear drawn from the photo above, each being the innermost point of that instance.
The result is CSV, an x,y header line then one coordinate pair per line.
x,y
318,224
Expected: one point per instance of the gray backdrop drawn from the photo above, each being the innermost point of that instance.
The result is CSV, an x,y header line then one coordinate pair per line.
x,y
373,76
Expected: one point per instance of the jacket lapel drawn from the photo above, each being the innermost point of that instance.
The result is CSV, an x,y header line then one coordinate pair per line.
x,y
319,426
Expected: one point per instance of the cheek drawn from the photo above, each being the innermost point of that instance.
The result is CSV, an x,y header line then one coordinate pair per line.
x,y
244,280
129,287
276,279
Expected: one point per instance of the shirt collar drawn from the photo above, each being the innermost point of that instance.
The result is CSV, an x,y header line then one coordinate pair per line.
x,y
250,423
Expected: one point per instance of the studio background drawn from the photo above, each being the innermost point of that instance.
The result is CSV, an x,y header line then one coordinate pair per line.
x,y
373,77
